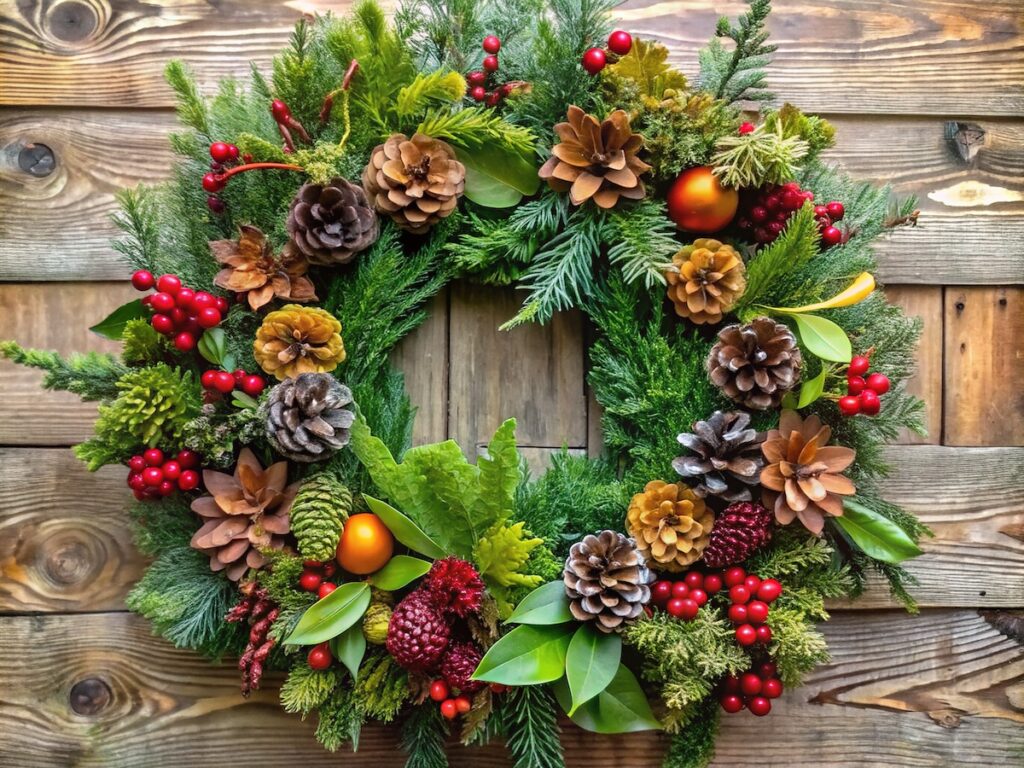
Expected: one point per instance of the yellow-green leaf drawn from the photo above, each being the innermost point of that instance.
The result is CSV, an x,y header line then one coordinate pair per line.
x,y
329,617
646,64
823,338
400,571
527,656
547,604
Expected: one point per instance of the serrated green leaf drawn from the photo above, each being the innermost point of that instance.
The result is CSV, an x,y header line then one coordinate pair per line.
x,y
349,648
527,656
823,338
112,326
590,664
329,617
622,707
497,176
500,472
213,345
400,571
646,65
812,389
877,535
547,604
404,529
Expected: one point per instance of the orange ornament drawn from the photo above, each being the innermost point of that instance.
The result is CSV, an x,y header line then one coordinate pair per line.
x,y
697,202
366,544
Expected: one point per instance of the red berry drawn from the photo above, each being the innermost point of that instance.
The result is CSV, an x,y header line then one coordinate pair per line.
x,y
680,589
136,482
184,342
279,110
491,63
712,583
208,379
792,201
767,669
746,128
172,470
750,684
859,365
730,684
311,564
153,476
699,596
694,579
759,706
831,236
594,60
253,385
752,582
184,298
498,688
734,576
739,594
764,634
136,463
772,688
690,609
478,93
836,210
620,42
476,77
855,384
439,690
213,182
878,382
449,709
773,202
140,494
869,402
233,152
821,212
221,304
661,592
463,704
769,590
738,614
142,280
319,657
162,302
746,634
153,457
793,186
166,488
491,44
208,317
325,589
219,152
757,611
310,581
202,300
224,382
179,318
188,459
774,229
239,374
674,607
189,480
731,703
849,405
759,214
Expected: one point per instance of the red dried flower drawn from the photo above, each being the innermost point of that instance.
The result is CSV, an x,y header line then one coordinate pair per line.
x,y
454,586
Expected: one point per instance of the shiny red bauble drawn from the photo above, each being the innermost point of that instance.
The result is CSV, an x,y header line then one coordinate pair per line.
x,y
750,684
712,583
680,589
757,611
310,581
771,688
491,63
734,576
661,592
878,382
849,405
697,202
189,480
746,634
694,579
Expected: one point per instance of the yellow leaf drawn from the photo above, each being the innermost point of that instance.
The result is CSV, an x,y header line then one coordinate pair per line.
x,y
859,290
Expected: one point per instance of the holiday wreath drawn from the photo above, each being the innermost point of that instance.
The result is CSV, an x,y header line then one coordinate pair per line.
x,y
749,370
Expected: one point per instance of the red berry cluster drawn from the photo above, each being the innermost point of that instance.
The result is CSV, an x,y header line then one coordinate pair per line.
x,y
684,598
224,383
222,155
749,597
863,389
594,59
152,476
178,311
827,215
314,578
483,85
766,213
753,690
453,706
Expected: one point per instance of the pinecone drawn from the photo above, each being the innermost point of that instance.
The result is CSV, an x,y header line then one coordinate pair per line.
x,y
330,223
707,280
606,580
294,340
458,666
251,269
728,456
306,417
375,623
319,512
741,530
417,181
755,364
803,478
417,633
596,160
671,525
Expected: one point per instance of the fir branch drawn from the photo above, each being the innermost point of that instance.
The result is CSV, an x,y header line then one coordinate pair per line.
x,y
642,241
476,127
786,256
423,738
160,527
138,219
694,747
92,376
530,724
427,89
191,107
739,76
306,689
341,719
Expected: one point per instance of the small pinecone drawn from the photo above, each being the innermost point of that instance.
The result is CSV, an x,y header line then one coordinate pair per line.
x,y
739,531
670,524
306,417
755,364
417,181
417,633
458,666
330,223
375,623
606,580
318,516
727,458
707,280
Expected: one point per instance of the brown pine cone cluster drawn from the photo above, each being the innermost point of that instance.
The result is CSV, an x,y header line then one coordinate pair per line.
x,y
708,278
252,269
740,531
606,580
755,364
330,223
261,612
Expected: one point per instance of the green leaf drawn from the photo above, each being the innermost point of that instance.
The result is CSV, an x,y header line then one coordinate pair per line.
x,y
527,656
590,663
646,66
400,571
112,326
789,400
404,529
242,400
877,535
500,472
496,176
331,616
811,390
622,707
823,338
213,345
349,648
547,604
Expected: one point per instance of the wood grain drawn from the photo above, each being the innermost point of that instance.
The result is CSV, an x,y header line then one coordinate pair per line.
x,y
984,366
423,357
942,689
924,302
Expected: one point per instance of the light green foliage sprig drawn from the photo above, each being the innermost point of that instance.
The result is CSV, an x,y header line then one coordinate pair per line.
x,y
766,155
738,75
382,687
142,344
694,746
530,722
92,376
341,719
423,738
305,689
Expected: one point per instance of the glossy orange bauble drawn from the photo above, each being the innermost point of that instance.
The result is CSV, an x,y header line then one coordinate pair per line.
x,y
366,544
698,203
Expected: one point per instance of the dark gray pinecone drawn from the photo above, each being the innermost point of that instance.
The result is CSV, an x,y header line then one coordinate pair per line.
x,y
726,457
306,417
755,364
607,580
330,223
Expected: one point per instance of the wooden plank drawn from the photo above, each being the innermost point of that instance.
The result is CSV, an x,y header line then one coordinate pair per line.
x,y
51,316
908,57
984,366
99,690
924,302
423,357
532,373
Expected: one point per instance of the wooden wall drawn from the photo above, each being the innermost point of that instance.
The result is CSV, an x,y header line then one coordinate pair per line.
x,y
83,683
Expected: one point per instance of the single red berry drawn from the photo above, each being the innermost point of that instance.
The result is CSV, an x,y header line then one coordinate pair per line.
x,y
699,596
478,93
135,481
730,684
855,384
142,280
738,614
253,385
203,300
772,688
620,42
831,236
325,589
491,44
675,608
476,77
179,318
137,463
493,98
491,63
498,688
319,657
140,494
746,128
821,212
869,402
221,304
773,202
752,582
769,590
759,214
680,589
746,634
757,611
463,704
774,229
184,342
661,592
767,669
310,581
712,583
859,365
808,195
750,684
731,703
689,609
764,634
439,690
219,152
172,470
694,579
279,110
153,476
759,706
208,317
153,457
849,405
233,152
836,210
208,379
188,459
734,576
792,201
449,709
224,382
213,182
878,382
189,480
183,298
594,60
166,488
329,569
739,594
239,374
162,302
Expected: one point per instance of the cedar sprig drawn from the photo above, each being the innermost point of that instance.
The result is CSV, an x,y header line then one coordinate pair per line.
x,y
423,738
739,75
92,376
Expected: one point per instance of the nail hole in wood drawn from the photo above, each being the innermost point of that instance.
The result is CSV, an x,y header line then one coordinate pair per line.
x,y
72,22
37,160
91,696
1002,301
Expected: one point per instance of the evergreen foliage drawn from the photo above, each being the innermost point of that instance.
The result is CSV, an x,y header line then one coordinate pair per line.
x,y
530,722
739,75
92,376
423,738
382,687
306,689
341,719
694,747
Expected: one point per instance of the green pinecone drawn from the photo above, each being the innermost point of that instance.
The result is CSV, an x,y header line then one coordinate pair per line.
x,y
319,514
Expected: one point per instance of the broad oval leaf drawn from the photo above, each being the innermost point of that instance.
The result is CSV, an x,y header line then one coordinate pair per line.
x,y
213,345
400,571
112,326
823,338
404,529
812,389
349,648
497,177
527,656
331,616
622,707
547,604
877,535
590,664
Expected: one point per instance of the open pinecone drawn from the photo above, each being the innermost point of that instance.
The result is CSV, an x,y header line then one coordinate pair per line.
x,y
671,525
606,580
417,181
253,270
596,160
755,364
707,280
306,417
727,456
296,339
330,223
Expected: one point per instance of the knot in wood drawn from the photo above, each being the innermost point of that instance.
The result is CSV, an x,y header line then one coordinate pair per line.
x,y
37,160
68,561
90,696
72,21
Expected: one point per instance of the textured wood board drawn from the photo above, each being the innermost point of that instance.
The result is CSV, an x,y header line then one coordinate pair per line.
x,y
423,357
924,302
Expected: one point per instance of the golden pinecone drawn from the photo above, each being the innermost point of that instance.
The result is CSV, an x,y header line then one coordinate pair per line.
x,y
707,280
596,160
252,269
294,340
671,525
417,181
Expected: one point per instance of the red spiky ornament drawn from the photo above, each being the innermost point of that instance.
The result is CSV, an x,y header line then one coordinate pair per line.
x,y
454,586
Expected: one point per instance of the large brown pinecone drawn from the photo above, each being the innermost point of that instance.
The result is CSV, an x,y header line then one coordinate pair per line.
x,y
596,159
726,456
606,580
755,364
306,417
418,634
741,530
671,525
708,278
330,223
417,181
